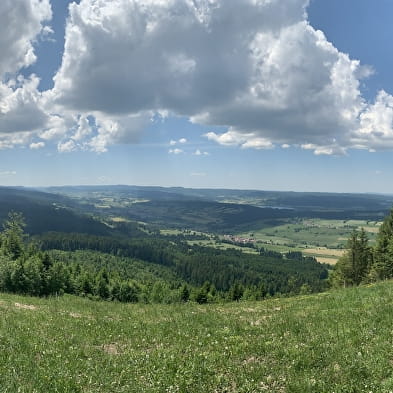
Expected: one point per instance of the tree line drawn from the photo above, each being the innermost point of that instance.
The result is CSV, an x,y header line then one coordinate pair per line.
x,y
362,263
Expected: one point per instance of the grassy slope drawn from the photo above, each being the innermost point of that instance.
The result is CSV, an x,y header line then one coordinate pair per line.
x,y
333,342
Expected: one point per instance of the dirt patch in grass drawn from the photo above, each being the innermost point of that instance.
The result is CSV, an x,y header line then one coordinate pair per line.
x,y
25,306
110,349
75,315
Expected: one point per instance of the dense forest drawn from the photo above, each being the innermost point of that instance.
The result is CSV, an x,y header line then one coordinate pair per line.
x,y
150,269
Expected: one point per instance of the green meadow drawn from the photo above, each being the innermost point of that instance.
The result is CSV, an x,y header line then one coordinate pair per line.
x,y
338,341
323,239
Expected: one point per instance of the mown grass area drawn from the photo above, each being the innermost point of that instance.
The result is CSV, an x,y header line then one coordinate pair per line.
x,y
338,341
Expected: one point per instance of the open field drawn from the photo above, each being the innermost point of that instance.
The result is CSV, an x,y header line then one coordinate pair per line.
x,y
332,342
328,260
323,239
313,232
222,246
324,255
324,252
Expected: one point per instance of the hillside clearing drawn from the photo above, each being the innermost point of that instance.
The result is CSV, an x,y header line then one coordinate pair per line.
x,y
332,342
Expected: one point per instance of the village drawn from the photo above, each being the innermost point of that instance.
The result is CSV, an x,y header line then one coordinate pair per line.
x,y
239,240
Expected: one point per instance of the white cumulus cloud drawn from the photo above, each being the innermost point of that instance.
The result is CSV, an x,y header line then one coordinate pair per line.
x,y
37,145
255,67
67,146
21,109
21,22
175,151
200,153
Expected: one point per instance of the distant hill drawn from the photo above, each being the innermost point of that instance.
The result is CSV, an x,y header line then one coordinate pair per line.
x,y
203,215
281,199
45,212
70,209
220,209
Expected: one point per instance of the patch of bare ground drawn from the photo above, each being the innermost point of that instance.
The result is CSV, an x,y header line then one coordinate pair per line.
x,y
110,349
260,321
25,306
75,315
252,360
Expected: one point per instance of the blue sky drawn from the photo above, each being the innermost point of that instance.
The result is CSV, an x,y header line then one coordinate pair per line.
x,y
291,95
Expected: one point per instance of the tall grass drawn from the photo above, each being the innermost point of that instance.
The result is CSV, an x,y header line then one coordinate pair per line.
x,y
332,342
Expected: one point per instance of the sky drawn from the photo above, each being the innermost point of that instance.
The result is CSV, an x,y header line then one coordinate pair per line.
x,y
248,94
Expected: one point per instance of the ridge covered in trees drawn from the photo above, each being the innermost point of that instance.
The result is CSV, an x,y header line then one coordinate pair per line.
x,y
147,269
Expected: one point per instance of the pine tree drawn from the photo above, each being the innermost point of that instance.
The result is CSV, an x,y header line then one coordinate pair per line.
x,y
184,293
383,264
353,267
12,237
236,292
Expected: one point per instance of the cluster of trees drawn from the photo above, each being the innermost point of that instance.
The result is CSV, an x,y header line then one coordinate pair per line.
x,y
25,269
362,263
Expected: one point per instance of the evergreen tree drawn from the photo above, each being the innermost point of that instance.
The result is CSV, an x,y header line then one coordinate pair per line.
x,y
102,285
383,263
201,296
12,237
129,292
184,293
236,292
353,267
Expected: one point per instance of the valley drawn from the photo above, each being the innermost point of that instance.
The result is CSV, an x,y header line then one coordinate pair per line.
x,y
317,224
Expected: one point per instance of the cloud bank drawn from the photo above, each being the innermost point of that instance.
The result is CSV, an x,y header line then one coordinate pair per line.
x,y
21,110
256,67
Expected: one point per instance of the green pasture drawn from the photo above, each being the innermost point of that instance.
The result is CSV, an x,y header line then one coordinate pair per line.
x,y
332,342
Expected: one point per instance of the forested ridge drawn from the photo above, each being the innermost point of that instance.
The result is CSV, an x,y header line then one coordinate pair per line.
x,y
105,268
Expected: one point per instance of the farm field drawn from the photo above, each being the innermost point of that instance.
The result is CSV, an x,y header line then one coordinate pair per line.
x,y
222,246
323,239
313,232
332,342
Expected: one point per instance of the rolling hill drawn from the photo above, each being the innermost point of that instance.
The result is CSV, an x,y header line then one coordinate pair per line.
x,y
45,212
221,210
